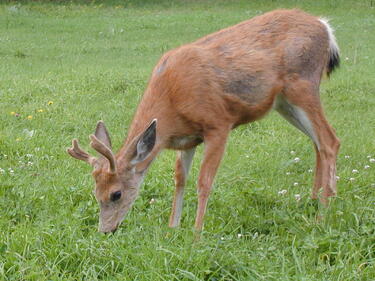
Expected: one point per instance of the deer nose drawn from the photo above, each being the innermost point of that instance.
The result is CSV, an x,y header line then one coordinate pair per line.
x,y
113,230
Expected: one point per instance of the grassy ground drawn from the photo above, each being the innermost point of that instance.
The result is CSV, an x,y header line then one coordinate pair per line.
x,y
64,66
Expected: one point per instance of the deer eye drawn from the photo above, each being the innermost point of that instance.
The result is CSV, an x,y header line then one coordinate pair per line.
x,y
115,196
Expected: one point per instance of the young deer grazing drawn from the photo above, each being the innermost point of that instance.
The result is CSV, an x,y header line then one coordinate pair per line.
x,y
200,91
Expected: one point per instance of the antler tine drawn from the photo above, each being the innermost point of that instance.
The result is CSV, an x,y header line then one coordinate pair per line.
x,y
105,151
78,153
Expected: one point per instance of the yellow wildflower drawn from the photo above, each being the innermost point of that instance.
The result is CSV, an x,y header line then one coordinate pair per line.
x,y
30,117
18,139
40,110
50,102
12,113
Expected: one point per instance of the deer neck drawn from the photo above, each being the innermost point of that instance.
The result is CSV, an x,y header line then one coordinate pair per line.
x,y
147,110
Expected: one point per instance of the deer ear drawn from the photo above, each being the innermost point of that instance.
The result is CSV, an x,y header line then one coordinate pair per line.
x,y
102,134
145,143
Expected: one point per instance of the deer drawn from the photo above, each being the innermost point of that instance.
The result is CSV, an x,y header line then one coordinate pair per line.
x,y
200,91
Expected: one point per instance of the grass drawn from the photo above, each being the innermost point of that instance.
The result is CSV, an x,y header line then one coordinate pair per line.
x,y
66,64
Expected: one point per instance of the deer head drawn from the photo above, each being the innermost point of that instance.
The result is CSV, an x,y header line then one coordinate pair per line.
x,y
117,181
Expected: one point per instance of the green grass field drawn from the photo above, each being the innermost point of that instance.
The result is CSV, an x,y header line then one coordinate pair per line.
x,y
65,65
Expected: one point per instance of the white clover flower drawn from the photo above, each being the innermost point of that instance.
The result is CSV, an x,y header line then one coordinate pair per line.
x,y
347,156
372,160
28,133
152,201
337,178
282,192
239,235
30,163
367,166
287,173
29,155
351,179
295,184
296,160
293,152
310,170
354,171
10,170
297,197
2,171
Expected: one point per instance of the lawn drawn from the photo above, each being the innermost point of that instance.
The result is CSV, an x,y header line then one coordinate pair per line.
x,y
68,64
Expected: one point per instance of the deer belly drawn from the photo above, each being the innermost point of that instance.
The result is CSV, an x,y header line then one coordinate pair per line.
x,y
184,142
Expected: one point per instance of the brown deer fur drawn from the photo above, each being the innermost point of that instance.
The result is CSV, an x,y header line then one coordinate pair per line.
x,y
200,91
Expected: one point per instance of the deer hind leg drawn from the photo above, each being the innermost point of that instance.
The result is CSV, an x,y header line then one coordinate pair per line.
x,y
183,164
300,105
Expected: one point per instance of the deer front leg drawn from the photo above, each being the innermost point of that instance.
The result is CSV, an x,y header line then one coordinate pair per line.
x,y
183,164
213,152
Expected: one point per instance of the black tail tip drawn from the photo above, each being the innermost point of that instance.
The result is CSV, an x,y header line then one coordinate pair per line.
x,y
333,63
